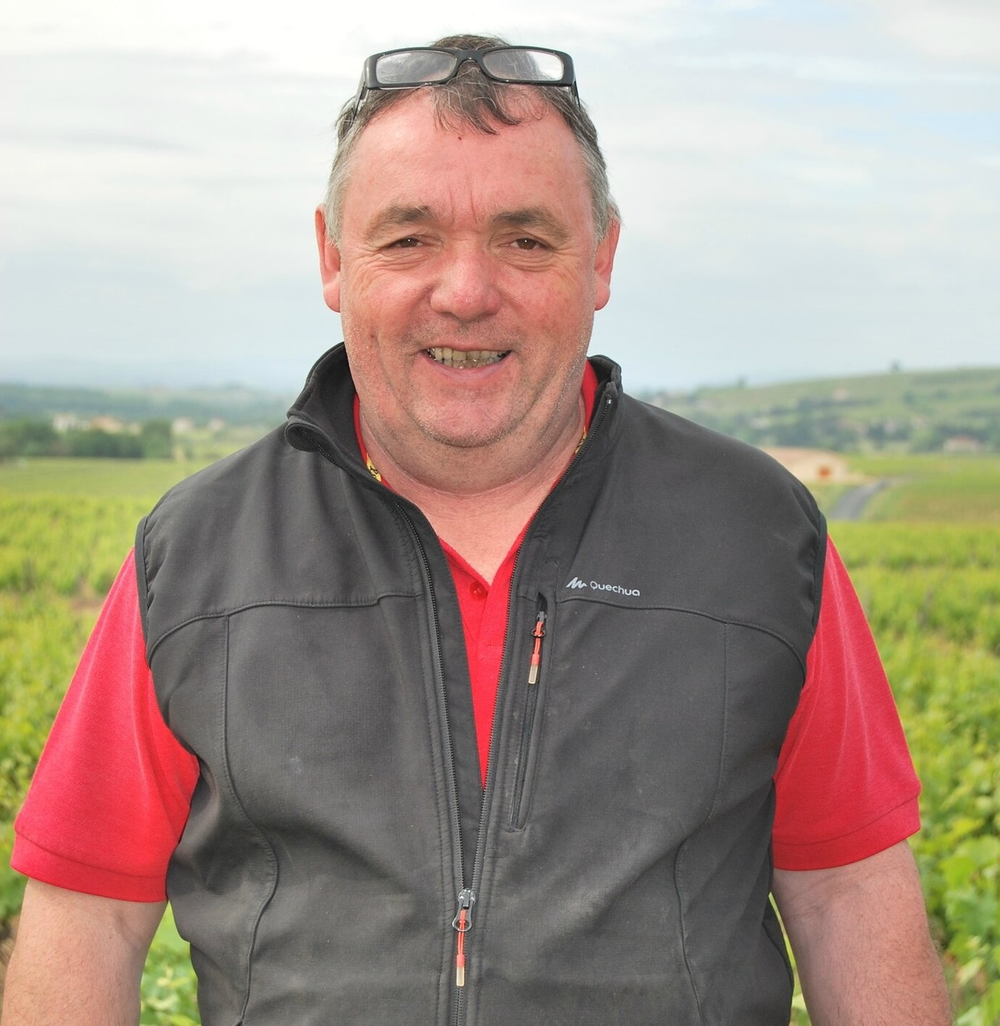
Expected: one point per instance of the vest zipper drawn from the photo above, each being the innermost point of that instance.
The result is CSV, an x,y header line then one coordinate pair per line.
x,y
467,896
528,723
462,922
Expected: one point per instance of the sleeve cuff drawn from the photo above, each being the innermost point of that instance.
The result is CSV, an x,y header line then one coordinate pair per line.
x,y
897,824
45,866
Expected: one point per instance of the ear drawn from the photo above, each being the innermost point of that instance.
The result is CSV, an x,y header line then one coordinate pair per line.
x,y
604,260
329,263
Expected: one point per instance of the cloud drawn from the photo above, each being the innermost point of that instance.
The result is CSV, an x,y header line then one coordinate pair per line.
x,y
801,66
59,138
947,29
209,166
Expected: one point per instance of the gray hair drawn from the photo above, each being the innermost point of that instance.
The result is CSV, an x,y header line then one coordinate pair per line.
x,y
472,99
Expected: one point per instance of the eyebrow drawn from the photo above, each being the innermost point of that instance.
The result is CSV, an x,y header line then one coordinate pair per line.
x,y
398,216
529,218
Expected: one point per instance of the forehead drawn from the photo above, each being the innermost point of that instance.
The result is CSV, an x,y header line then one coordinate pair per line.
x,y
406,157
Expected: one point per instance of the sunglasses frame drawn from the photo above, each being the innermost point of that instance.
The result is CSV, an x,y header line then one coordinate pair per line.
x,y
370,80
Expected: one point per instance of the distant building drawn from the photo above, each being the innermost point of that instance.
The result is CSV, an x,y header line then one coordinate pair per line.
x,y
815,466
962,443
111,425
63,422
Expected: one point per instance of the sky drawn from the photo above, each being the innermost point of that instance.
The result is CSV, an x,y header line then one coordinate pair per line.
x,y
808,187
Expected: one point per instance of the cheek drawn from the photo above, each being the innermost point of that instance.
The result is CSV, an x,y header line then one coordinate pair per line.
x,y
565,312
383,309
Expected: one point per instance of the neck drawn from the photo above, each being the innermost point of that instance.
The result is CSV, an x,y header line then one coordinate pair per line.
x,y
479,501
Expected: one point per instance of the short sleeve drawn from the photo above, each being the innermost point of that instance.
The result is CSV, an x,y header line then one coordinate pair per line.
x,y
112,790
845,784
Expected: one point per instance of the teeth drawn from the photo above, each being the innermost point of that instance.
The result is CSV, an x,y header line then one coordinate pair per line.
x,y
467,360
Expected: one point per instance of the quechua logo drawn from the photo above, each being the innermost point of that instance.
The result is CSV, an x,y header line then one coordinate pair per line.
x,y
615,589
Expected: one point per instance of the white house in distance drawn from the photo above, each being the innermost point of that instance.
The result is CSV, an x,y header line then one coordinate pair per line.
x,y
815,466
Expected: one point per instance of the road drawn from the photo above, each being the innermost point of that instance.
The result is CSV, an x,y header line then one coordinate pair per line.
x,y
851,505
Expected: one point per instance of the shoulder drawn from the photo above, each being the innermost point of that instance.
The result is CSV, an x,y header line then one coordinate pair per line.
x,y
689,458
226,479
214,527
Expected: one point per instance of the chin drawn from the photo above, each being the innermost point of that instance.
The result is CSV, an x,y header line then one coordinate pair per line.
x,y
468,436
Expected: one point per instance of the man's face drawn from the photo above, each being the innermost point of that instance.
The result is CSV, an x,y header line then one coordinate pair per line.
x,y
466,277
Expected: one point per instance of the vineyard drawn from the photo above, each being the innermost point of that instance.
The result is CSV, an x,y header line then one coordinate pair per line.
x,y
929,579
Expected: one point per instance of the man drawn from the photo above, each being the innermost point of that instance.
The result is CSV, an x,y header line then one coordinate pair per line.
x,y
482,693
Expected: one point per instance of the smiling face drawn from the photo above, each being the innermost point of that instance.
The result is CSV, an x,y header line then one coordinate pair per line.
x,y
467,275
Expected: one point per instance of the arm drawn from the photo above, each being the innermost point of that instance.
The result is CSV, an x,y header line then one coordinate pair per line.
x,y
861,942
78,959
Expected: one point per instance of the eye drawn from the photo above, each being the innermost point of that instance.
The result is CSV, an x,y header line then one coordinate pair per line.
x,y
528,244
406,243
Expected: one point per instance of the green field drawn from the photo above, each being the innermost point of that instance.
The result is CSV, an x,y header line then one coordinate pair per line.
x,y
926,565
144,480
935,488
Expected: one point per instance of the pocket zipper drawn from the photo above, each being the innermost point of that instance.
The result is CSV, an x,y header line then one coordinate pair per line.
x,y
527,726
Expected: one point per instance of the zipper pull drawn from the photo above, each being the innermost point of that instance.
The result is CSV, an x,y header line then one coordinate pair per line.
x,y
462,923
536,653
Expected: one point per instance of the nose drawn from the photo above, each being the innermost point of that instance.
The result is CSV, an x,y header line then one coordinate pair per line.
x,y
466,287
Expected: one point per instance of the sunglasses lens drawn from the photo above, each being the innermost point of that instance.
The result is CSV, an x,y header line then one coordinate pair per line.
x,y
519,64
411,67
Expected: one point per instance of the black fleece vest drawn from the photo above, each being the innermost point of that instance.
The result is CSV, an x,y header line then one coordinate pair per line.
x,y
306,644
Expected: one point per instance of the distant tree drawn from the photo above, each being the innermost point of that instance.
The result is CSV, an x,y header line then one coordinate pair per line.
x,y
156,440
26,437
801,432
927,439
97,444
